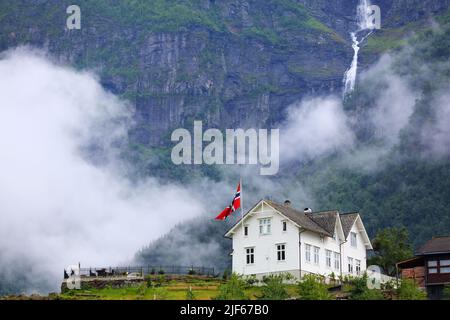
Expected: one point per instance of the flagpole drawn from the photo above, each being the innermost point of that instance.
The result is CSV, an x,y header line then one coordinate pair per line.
x,y
242,216
242,205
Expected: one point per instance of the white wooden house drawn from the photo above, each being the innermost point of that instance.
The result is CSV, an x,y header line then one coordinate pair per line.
x,y
276,238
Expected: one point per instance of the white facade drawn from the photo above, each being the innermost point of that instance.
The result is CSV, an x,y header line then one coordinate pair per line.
x,y
275,243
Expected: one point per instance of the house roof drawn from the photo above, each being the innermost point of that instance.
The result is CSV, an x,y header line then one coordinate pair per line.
x,y
347,221
435,245
300,218
325,219
323,222
410,263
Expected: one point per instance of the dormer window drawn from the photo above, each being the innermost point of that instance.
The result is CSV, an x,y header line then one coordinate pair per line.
x,y
353,241
265,226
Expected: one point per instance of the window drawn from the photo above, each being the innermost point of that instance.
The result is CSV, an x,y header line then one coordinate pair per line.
x,y
328,258
358,266
432,263
284,225
246,231
316,255
353,239
350,265
432,266
444,263
250,254
308,253
281,252
264,226
444,266
337,261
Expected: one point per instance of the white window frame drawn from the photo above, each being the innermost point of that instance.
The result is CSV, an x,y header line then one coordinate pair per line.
x,y
250,255
308,253
354,239
358,266
265,226
350,265
337,261
328,258
284,225
281,252
316,255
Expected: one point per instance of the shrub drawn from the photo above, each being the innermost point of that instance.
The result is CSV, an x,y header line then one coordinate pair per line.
x,y
148,281
333,278
408,290
360,291
251,280
226,274
158,293
161,271
447,292
191,272
233,289
313,287
190,294
274,288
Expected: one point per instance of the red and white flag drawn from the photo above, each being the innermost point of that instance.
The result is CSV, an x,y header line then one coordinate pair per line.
x,y
235,204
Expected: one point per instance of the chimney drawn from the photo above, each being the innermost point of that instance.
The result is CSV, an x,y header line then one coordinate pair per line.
x,y
307,210
287,203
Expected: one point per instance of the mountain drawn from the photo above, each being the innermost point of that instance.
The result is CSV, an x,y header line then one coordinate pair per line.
x,y
407,185
236,63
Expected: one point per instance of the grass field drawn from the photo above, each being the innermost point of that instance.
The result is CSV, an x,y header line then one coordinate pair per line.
x,y
202,289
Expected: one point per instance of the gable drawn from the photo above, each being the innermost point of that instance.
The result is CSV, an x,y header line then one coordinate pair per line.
x,y
354,222
347,221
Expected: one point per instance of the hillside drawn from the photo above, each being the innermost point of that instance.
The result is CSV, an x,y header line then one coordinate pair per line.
x,y
405,185
249,64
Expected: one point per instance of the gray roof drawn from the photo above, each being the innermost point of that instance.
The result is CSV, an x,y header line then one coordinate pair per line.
x,y
323,222
325,219
347,221
301,218
435,245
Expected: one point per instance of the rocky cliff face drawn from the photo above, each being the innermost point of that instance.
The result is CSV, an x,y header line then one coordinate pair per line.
x,y
236,63
230,63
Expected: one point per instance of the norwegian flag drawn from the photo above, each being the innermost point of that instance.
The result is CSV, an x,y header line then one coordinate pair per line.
x,y
235,204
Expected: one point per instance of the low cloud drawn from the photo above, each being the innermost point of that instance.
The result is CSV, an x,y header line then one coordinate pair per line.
x,y
394,101
315,127
56,207
436,132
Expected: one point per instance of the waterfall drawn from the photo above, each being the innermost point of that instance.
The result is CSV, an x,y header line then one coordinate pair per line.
x,y
363,18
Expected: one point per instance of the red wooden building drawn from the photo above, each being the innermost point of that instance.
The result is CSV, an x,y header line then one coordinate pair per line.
x,y
430,267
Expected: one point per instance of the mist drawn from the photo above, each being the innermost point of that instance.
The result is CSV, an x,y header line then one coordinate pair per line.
x,y
56,206
65,197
